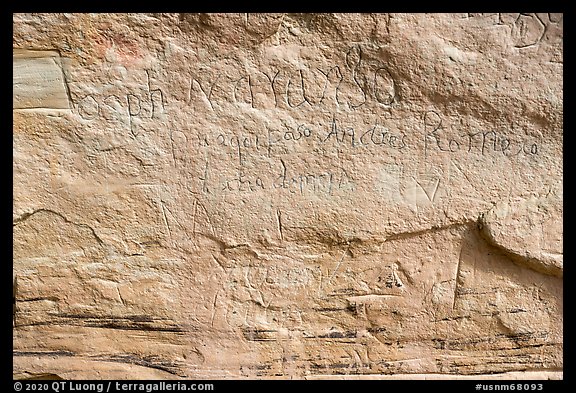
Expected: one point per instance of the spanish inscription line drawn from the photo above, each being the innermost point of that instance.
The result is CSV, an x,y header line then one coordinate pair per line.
x,y
437,136
382,90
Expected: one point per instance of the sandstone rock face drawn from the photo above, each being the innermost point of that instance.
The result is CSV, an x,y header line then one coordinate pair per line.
x,y
287,195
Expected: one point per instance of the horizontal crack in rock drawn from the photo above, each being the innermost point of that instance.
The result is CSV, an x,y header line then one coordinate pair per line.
x,y
42,353
27,216
131,322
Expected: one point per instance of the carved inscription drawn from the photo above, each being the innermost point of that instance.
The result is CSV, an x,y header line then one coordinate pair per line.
x,y
349,85
262,294
280,147
526,29
474,142
128,108
357,97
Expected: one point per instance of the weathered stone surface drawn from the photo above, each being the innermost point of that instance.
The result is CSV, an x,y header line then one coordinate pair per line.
x,y
512,225
288,195
38,81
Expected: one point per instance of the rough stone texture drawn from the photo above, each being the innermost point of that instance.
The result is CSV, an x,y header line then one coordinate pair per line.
x,y
288,195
